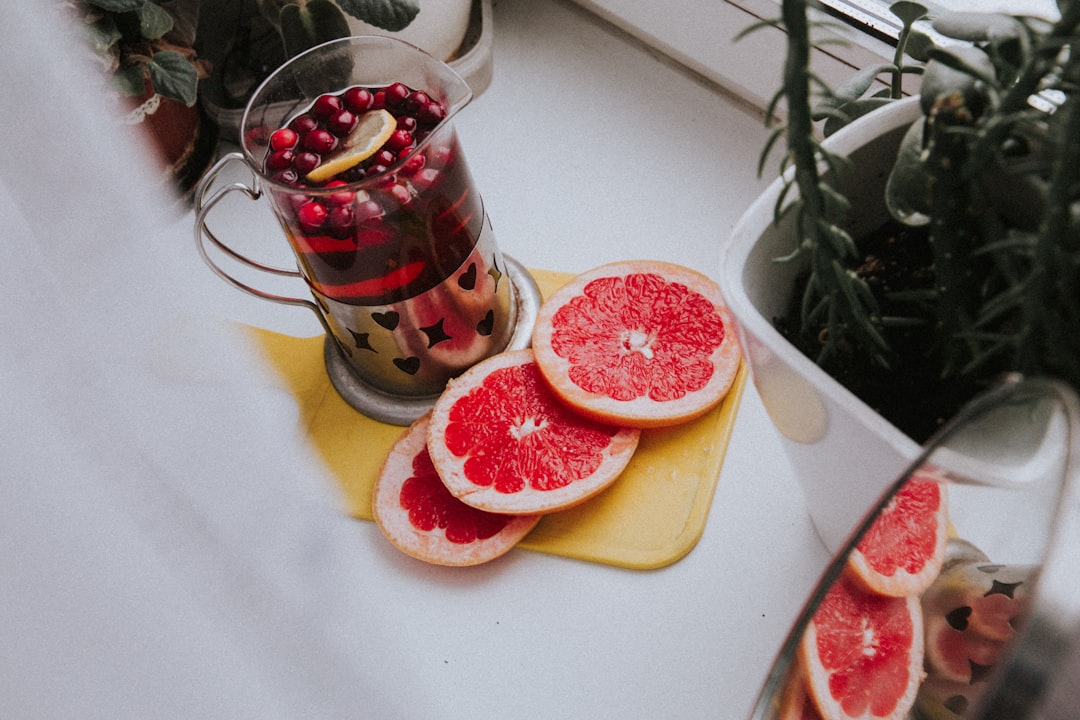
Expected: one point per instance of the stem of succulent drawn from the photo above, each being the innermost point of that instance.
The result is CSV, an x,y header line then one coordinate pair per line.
x,y
833,290
954,217
896,86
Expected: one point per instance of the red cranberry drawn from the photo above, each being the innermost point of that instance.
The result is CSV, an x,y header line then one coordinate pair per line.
x,y
320,141
344,197
286,177
414,161
340,220
384,157
296,200
431,114
399,140
283,139
342,122
441,155
399,192
396,94
416,100
280,160
367,210
305,162
326,105
406,122
376,169
311,215
303,124
378,100
425,179
357,99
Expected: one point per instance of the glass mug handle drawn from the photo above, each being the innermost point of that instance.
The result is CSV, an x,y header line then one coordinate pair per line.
x,y
204,205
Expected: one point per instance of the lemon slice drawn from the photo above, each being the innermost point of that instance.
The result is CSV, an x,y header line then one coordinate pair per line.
x,y
372,131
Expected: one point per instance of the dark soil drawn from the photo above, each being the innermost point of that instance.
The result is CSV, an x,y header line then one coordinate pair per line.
x,y
910,393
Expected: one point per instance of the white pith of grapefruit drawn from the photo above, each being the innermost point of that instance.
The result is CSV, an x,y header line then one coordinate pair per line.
x,y
503,442
420,517
903,551
639,343
862,653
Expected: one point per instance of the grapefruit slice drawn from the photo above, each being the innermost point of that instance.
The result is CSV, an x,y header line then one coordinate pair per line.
x,y
420,517
503,442
903,551
638,343
863,653
372,131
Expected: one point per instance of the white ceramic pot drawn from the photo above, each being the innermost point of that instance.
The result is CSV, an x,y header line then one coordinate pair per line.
x,y
843,453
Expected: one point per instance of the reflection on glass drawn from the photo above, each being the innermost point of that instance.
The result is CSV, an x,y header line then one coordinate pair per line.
x,y
952,584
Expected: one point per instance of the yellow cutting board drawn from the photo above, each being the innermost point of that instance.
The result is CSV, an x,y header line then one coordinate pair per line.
x,y
651,516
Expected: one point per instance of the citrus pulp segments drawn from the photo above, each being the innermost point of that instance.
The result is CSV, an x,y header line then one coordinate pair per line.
x,y
862,653
638,343
503,442
903,551
420,517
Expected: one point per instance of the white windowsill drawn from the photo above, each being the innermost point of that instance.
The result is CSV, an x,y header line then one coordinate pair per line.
x,y
702,37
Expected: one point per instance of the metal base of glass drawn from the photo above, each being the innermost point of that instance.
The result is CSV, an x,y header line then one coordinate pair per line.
x,y
403,410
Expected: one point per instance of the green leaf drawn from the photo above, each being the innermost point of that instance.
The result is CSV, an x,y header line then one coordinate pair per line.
x,y
154,21
174,77
776,135
908,12
759,25
852,112
117,6
316,22
919,45
104,34
907,192
390,15
854,87
959,69
131,79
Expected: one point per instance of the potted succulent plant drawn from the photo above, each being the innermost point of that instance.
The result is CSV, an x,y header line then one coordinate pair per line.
x,y
147,46
923,250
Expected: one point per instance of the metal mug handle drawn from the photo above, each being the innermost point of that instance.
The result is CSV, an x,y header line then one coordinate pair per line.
x,y
203,206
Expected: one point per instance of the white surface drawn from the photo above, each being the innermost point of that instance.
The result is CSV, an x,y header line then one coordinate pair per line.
x,y
704,36
170,549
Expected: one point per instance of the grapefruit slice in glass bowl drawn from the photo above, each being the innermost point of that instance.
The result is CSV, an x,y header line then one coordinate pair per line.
x,y
638,343
902,552
862,653
503,442
419,516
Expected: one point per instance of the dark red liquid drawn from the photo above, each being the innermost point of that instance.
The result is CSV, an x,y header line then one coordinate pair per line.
x,y
382,234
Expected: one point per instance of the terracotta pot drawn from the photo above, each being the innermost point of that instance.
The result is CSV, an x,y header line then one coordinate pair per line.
x,y
182,137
